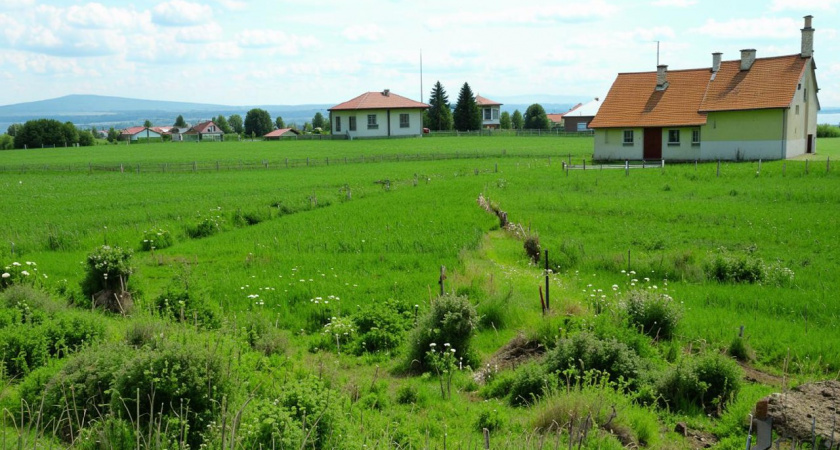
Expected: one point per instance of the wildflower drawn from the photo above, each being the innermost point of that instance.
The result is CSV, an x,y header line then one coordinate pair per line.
x,y
15,263
6,275
24,273
432,345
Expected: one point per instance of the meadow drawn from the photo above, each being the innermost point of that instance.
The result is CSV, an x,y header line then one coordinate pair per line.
x,y
265,263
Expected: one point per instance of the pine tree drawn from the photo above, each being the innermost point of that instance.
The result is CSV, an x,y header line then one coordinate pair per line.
x,y
504,121
278,122
439,114
467,116
180,122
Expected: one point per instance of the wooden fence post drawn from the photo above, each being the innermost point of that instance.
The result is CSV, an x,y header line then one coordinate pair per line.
x,y
442,278
547,296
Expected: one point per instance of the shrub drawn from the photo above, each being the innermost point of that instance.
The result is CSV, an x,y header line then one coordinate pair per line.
x,y
710,381
181,304
407,394
243,219
584,352
179,383
206,226
264,337
156,239
727,268
451,320
490,419
529,384
532,247
380,326
655,313
107,269
827,131
740,350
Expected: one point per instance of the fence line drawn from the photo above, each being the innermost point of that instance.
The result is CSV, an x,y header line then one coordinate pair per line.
x,y
241,165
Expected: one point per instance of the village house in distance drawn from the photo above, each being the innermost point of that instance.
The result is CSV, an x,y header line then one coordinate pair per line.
x,y
750,108
378,114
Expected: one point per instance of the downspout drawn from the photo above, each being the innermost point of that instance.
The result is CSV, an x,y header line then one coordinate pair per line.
x,y
388,112
784,132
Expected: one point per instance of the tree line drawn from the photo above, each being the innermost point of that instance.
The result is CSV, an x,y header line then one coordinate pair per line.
x,y
466,115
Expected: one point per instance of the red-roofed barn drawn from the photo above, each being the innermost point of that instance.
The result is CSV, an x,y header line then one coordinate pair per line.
x,y
378,114
752,108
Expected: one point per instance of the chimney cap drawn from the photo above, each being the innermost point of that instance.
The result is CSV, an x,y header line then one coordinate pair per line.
x,y
386,92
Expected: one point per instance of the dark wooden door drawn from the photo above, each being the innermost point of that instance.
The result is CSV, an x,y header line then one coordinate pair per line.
x,y
810,144
653,143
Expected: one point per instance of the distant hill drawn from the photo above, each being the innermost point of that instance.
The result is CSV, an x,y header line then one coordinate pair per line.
x,y
103,111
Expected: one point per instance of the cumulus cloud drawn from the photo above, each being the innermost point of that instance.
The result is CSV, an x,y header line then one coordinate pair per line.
x,y
181,13
275,41
366,32
200,34
762,27
805,5
526,15
675,3
9,5
99,16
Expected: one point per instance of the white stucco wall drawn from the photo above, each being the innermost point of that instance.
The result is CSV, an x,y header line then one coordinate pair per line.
x,y
740,150
686,150
415,121
609,144
143,135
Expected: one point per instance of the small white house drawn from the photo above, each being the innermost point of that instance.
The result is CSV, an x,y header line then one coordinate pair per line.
x,y
490,112
378,114
136,133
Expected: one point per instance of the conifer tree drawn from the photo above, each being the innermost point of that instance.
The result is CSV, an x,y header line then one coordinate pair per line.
x,y
467,116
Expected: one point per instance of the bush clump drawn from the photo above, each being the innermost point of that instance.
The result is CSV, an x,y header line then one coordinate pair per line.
x,y
451,320
584,352
181,304
107,271
656,314
532,247
828,131
530,382
726,268
380,327
157,238
710,381
20,274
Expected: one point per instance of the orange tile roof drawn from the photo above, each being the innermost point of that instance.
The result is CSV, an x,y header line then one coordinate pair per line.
x,y
132,130
378,100
280,132
556,118
633,100
483,101
769,83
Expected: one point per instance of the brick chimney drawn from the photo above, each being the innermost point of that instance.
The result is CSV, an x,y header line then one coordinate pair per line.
x,y
661,77
747,58
386,92
716,61
808,38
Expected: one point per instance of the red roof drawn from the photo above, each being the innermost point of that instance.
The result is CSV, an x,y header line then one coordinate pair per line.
x,y
133,130
161,130
482,101
556,118
378,100
633,100
203,128
280,132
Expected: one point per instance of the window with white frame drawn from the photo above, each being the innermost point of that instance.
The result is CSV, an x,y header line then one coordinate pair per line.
x,y
487,114
673,137
495,114
351,123
338,123
372,125
404,121
628,137
695,136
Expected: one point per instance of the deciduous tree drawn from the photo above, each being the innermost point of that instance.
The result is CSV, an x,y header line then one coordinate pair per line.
x,y
318,120
536,118
467,114
235,122
258,122
223,124
516,120
13,129
504,121
147,123
43,132
278,122
180,122
439,115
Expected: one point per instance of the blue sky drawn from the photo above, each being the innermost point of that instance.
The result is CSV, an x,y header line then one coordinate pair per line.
x,y
327,51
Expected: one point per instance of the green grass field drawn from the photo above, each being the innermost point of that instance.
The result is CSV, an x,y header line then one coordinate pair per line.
x,y
292,249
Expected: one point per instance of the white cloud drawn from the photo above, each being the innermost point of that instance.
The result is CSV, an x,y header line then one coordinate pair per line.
x,y
10,5
97,15
233,5
763,27
200,34
675,3
366,32
276,42
181,13
805,5
526,15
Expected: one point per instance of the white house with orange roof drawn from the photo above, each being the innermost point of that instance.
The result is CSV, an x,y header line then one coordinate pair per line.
x,y
748,108
378,114
137,133
490,112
